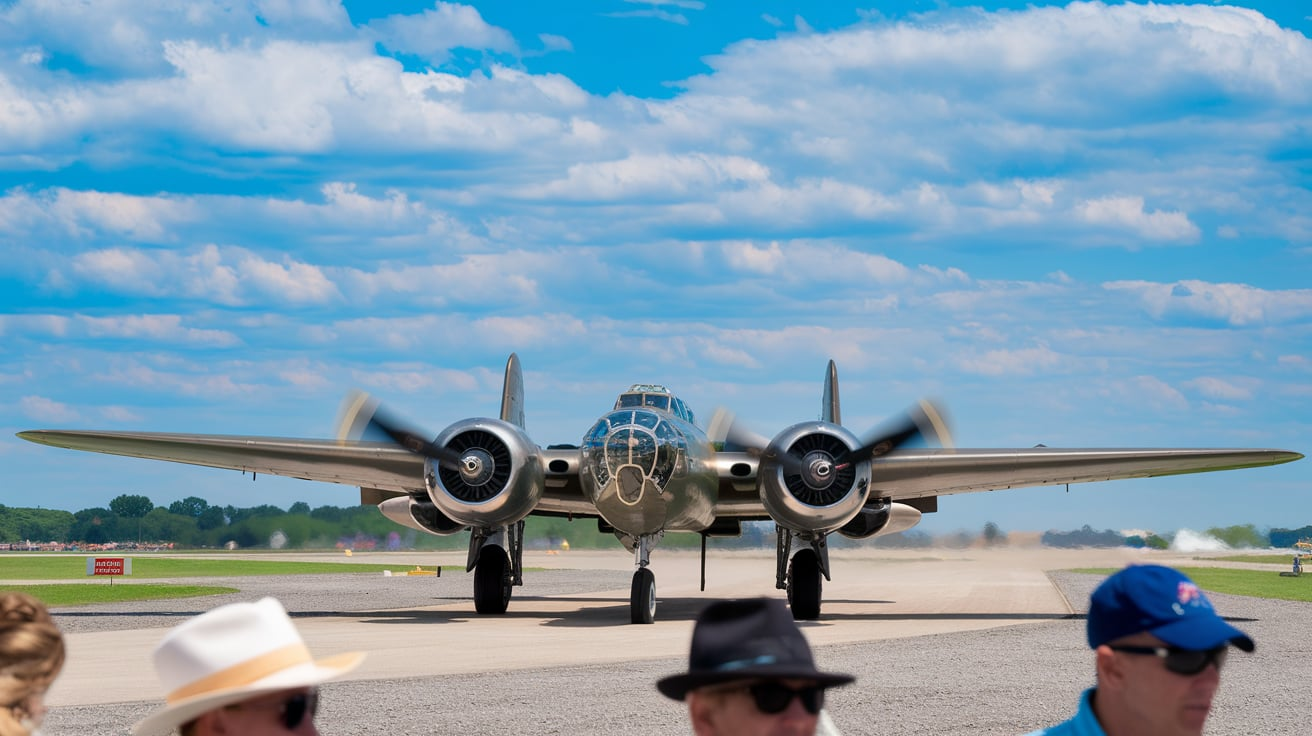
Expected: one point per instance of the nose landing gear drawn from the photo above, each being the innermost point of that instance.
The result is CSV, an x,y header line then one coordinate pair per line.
x,y
642,595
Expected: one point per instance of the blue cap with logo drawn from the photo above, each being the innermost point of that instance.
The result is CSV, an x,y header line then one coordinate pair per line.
x,y
1162,602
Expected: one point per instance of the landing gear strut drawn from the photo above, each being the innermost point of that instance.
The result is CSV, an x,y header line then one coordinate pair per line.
x,y
642,596
497,559
804,574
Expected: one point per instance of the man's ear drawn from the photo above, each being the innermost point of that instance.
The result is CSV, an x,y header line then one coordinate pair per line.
x,y
699,712
1110,673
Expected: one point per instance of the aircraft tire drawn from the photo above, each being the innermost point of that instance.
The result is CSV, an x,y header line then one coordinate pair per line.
x,y
804,586
492,583
642,598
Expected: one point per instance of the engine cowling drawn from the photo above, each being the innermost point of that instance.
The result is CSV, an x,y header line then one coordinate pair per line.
x,y
419,513
811,492
500,480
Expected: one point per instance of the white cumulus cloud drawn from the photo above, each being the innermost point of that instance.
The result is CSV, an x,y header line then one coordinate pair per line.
x,y
230,276
42,409
1236,304
1129,213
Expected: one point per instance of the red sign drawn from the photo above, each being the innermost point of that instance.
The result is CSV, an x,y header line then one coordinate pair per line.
x,y
108,566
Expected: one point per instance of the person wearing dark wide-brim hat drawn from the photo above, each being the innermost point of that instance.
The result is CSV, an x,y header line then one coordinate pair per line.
x,y
750,671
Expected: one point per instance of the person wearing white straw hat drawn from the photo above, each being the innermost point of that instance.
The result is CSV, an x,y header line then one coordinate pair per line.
x,y
240,669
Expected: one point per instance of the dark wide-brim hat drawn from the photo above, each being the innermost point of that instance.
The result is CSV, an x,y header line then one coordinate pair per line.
x,y
745,640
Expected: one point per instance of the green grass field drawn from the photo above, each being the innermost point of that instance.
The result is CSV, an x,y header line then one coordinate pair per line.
x,y
55,567
101,591
1254,583
1282,559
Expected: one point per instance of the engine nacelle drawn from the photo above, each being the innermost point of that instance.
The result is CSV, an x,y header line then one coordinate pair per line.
x,y
500,479
419,513
880,518
811,492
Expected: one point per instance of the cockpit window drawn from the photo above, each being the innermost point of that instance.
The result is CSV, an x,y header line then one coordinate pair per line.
x,y
682,411
646,419
628,401
659,401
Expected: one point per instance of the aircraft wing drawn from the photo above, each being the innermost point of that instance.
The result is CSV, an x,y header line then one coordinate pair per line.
x,y
373,466
901,474
940,472
908,474
366,464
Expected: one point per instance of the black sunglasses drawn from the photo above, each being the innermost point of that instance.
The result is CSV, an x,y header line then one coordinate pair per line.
x,y
295,708
292,710
1182,661
773,697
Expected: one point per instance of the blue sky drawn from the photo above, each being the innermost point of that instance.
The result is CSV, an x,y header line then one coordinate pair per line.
x,y
1080,225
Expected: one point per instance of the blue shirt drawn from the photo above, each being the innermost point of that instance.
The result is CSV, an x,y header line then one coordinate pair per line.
x,y
1084,723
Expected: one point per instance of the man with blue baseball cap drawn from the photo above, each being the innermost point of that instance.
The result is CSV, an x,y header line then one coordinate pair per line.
x,y
1158,649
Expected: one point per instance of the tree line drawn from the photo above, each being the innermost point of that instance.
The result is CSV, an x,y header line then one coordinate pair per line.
x,y
194,522
1236,537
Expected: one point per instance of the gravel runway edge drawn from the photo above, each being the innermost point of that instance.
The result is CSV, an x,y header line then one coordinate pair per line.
x,y
1006,680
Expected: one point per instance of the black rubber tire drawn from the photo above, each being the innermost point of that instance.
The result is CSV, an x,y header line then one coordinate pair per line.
x,y
804,586
642,597
492,584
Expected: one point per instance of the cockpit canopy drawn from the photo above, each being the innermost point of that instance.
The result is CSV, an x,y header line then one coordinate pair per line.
x,y
655,397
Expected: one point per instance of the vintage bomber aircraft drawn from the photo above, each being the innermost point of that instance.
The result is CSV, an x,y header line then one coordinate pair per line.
x,y
646,468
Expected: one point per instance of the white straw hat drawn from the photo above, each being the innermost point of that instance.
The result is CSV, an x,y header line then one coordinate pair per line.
x,y
230,654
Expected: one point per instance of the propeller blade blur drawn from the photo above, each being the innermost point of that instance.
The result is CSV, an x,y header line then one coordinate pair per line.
x,y
725,428
362,417
925,424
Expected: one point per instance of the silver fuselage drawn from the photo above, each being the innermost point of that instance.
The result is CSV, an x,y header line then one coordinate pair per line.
x,y
647,469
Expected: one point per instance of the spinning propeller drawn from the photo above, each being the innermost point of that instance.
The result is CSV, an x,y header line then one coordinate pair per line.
x,y
362,417
924,423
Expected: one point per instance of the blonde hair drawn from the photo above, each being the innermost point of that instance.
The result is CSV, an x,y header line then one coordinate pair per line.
x,y
31,656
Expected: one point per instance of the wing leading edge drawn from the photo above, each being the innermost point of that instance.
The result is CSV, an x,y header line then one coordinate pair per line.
x,y
367,464
897,475
941,472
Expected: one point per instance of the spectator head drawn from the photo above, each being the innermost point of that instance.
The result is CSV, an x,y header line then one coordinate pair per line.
x,y
750,670
31,656
240,660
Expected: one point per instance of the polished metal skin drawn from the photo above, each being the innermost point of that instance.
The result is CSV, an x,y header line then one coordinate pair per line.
x,y
500,479
645,468
820,494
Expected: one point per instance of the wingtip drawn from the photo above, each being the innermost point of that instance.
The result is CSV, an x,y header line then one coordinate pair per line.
x,y
48,437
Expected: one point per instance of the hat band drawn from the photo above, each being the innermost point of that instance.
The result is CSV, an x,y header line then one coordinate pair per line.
x,y
243,673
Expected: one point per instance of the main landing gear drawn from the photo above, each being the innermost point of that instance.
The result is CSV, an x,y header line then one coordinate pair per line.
x,y
497,559
803,576
642,595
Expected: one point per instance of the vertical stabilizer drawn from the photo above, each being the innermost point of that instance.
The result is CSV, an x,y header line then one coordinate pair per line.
x,y
512,394
829,411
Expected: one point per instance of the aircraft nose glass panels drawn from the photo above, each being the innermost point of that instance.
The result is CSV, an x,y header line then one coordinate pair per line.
x,y
641,440
631,446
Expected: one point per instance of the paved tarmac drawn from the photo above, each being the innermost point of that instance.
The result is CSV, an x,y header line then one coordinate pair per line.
x,y
942,641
